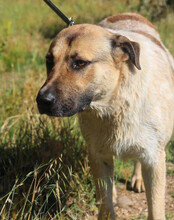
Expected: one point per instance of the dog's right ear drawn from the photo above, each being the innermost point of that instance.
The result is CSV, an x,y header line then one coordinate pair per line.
x,y
124,49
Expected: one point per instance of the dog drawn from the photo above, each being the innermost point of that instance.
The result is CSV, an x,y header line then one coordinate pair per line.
x,y
119,77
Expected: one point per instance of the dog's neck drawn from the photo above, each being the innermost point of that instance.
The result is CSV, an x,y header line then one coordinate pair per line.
x,y
119,104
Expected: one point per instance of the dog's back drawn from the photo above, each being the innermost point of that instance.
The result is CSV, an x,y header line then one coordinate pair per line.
x,y
131,22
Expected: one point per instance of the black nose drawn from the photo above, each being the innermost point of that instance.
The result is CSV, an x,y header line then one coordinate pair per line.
x,y
45,99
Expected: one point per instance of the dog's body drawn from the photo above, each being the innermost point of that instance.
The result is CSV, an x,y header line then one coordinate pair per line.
x,y
128,105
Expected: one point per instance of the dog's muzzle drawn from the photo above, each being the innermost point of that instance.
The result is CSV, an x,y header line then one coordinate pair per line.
x,y
51,104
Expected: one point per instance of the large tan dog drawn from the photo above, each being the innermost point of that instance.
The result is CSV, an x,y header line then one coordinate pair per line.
x,y
119,78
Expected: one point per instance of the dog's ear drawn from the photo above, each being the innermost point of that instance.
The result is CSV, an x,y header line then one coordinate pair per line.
x,y
131,49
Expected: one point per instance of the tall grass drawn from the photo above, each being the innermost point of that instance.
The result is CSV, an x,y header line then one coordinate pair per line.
x,y
44,171
44,160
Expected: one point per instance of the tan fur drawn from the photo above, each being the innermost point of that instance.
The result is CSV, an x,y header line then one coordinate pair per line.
x,y
132,111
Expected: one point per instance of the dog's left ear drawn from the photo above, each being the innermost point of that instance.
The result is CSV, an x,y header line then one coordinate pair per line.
x,y
131,48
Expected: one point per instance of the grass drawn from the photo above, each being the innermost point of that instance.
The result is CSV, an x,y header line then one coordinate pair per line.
x,y
44,171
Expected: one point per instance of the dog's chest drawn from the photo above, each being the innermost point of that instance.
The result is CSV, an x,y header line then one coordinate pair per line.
x,y
97,131
108,134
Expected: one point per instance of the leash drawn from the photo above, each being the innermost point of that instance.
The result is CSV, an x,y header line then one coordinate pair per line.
x,y
68,21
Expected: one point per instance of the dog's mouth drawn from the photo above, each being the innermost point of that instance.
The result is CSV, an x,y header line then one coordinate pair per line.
x,y
60,112
64,109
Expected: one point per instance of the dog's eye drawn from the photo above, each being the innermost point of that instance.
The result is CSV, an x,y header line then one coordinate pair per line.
x,y
79,64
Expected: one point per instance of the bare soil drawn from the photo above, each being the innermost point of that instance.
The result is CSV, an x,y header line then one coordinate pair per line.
x,y
137,205
133,205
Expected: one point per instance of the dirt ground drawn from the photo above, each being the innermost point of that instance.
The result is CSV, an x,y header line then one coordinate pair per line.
x,y
134,206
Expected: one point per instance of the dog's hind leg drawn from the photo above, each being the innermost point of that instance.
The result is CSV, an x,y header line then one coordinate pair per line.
x,y
137,179
103,169
154,179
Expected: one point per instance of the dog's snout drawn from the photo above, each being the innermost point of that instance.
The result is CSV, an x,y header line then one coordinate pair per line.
x,y
45,99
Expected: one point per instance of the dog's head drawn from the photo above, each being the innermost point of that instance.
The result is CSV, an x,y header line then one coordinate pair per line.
x,y
83,67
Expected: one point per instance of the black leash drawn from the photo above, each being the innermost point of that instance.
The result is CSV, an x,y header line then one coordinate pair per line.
x,y
68,21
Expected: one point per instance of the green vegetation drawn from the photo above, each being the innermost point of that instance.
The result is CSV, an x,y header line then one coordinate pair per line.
x,y
44,171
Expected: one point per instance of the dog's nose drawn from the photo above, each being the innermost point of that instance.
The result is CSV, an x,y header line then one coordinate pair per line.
x,y
45,98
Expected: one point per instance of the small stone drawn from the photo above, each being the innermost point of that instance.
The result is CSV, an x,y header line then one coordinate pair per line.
x,y
121,186
124,202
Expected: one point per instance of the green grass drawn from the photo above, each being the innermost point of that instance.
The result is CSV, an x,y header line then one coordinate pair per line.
x,y
44,169
142,217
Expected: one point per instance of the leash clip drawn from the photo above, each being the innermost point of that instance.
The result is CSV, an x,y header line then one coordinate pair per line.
x,y
68,21
71,21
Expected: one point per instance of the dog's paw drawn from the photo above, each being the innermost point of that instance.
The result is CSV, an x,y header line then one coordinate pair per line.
x,y
137,184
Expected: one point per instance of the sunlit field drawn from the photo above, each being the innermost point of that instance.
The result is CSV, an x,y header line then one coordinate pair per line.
x,y
44,170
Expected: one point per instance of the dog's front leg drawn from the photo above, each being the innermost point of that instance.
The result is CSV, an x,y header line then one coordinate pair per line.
x,y
154,178
102,169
